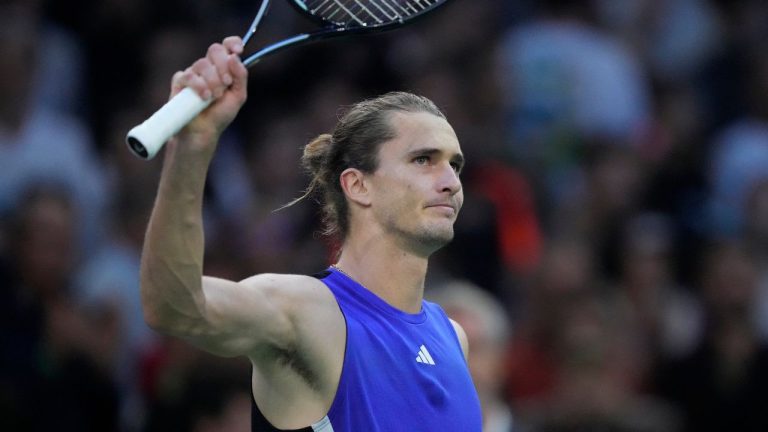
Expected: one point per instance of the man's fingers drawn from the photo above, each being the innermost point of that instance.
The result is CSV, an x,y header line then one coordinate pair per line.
x,y
238,72
212,75
208,71
219,55
233,44
197,83
190,78
177,83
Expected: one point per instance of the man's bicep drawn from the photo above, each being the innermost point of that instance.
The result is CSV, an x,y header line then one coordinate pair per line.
x,y
241,317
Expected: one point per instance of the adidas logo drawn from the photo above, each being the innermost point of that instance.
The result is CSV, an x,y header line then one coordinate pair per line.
x,y
424,356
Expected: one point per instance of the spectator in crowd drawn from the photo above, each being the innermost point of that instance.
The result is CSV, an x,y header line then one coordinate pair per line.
x,y
565,81
31,131
56,356
723,384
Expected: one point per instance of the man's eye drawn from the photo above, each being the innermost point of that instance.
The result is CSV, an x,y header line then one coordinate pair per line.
x,y
421,160
456,167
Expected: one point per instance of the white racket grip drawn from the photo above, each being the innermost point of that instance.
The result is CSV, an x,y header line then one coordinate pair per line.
x,y
146,139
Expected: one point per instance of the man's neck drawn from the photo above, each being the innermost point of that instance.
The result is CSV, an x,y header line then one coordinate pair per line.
x,y
394,275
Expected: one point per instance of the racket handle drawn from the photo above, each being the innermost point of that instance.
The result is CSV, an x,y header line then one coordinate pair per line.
x,y
146,139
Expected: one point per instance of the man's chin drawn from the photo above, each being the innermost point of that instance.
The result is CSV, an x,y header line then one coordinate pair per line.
x,y
435,239
427,239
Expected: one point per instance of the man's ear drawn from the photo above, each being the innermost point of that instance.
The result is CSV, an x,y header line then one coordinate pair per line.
x,y
355,187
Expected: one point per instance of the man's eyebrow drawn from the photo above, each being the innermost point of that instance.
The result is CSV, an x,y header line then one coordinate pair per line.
x,y
423,151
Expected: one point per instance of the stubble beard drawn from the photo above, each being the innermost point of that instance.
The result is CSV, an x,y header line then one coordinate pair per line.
x,y
424,240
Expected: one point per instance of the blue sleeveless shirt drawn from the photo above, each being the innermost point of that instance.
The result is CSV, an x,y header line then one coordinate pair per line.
x,y
402,372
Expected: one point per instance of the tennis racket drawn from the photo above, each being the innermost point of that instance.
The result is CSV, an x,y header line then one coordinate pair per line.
x,y
336,18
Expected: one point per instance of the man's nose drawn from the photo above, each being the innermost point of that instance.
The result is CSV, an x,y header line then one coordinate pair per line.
x,y
449,180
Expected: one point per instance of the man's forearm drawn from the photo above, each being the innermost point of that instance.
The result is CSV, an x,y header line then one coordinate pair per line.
x,y
172,258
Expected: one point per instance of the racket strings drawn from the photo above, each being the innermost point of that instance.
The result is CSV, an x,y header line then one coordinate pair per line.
x,y
349,13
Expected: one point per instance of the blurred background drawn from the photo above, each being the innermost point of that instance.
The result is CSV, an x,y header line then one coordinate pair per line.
x,y
610,263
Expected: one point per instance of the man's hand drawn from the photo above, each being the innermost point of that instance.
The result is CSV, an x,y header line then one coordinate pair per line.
x,y
220,76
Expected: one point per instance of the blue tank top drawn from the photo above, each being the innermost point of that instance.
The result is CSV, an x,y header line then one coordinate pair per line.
x,y
402,372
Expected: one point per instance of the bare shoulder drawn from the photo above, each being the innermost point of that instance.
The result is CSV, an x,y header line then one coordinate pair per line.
x,y
309,305
292,291
462,337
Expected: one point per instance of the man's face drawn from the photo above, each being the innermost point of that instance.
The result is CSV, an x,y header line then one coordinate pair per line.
x,y
416,191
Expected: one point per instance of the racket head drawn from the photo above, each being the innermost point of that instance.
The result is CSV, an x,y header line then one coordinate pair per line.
x,y
362,16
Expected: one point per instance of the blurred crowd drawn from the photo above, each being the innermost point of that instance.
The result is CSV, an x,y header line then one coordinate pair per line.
x,y
610,263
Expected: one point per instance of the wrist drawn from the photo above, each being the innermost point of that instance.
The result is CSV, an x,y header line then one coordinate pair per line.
x,y
194,144
184,171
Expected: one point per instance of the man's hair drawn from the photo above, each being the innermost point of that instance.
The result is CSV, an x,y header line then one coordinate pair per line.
x,y
354,143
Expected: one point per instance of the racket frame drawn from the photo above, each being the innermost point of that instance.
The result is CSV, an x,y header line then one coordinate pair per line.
x,y
331,29
146,139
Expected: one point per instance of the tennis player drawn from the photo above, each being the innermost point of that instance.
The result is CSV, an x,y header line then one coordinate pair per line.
x,y
354,348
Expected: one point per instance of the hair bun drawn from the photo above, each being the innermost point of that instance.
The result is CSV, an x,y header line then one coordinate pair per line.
x,y
316,154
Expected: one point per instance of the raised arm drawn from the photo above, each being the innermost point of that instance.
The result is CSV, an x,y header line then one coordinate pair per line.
x,y
215,314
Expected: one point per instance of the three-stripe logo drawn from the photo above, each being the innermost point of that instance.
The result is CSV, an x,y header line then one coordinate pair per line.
x,y
424,356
